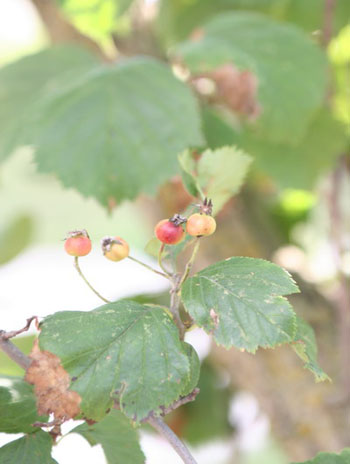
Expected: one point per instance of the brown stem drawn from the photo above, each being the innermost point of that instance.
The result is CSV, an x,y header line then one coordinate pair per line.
x,y
61,30
158,424
13,352
329,8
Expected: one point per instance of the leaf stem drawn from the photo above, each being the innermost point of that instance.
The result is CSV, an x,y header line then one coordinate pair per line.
x,y
158,424
77,267
160,253
149,267
190,262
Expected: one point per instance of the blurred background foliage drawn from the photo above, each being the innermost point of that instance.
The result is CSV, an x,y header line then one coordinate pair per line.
x,y
90,133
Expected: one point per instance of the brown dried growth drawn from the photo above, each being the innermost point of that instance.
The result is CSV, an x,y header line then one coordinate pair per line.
x,y
51,383
237,90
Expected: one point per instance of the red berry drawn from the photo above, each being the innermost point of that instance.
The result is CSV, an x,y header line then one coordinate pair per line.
x,y
77,243
115,248
200,224
168,232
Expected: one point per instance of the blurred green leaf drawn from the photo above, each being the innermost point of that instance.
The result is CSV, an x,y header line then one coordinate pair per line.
x,y
240,301
129,351
17,406
178,18
15,238
221,173
212,402
218,174
25,82
30,449
330,458
339,53
305,347
119,440
117,132
291,70
95,18
290,165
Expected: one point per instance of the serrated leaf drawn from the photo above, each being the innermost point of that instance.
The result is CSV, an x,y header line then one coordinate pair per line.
x,y
124,350
119,440
330,458
221,173
44,73
195,366
240,301
306,348
30,449
117,132
17,406
291,70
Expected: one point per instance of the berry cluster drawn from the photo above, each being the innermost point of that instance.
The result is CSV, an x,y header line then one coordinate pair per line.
x,y
168,231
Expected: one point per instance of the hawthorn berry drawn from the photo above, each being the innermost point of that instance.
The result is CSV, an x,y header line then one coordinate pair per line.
x,y
78,243
115,248
200,224
170,231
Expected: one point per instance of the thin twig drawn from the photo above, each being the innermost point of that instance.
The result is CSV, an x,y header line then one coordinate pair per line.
x,y
158,424
76,265
149,267
13,352
329,8
175,305
190,262
160,264
14,333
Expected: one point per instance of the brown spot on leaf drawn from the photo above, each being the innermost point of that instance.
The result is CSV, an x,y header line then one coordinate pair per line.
x,y
51,385
214,317
236,89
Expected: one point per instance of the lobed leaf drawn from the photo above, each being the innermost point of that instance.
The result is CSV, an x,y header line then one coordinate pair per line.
x,y
123,351
240,301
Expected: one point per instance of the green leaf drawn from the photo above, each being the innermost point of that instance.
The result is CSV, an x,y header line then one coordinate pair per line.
x,y
15,238
240,302
122,350
195,367
221,173
17,406
117,132
315,152
119,440
330,458
30,449
218,174
305,347
45,72
213,401
291,70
